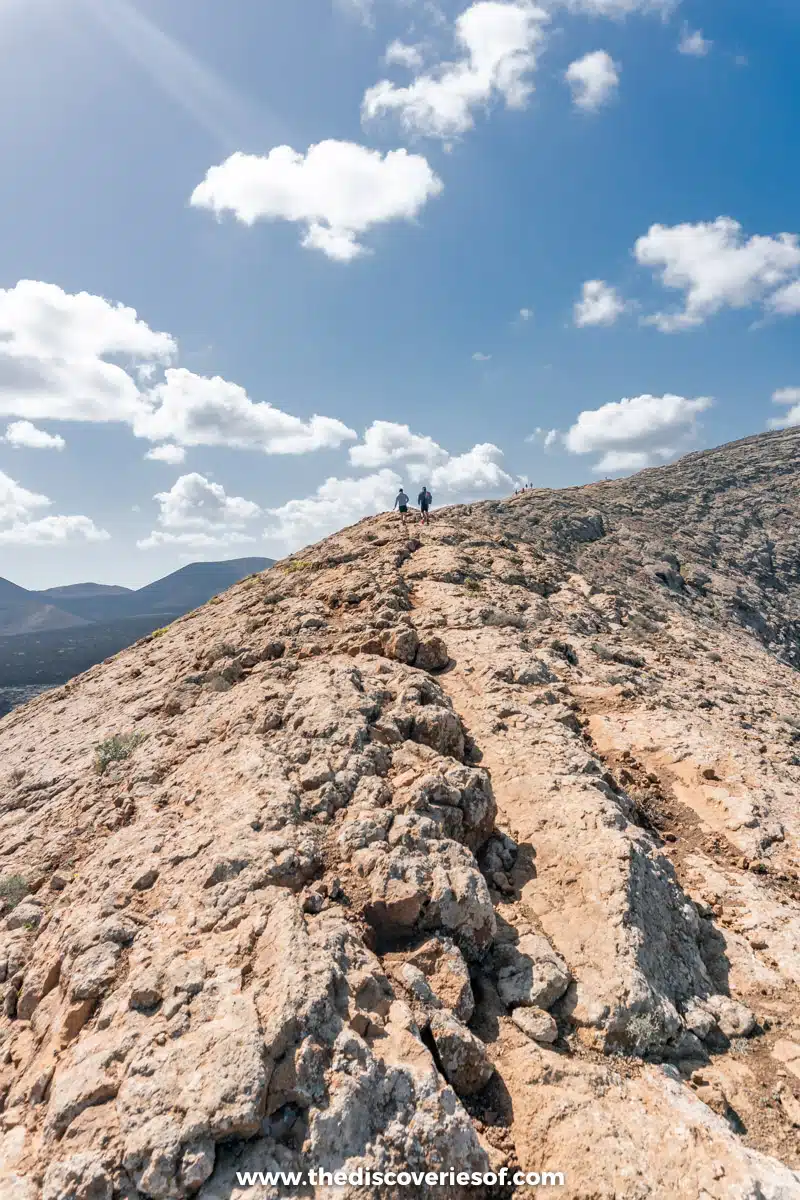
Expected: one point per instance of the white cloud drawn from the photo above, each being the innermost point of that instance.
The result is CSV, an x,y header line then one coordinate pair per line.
x,y
786,301
636,432
619,8
335,503
16,502
600,304
195,541
525,314
425,461
337,191
716,267
52,531
340,502
593,80
479,357
54,348
499,44
386,442
476,471
198,513
790,396
173,455
548,437
400,54
195,502
54,352
23,433
194,410
693,43
20,526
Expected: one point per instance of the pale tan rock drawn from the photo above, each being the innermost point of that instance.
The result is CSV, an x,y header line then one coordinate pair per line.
x,y
463,1056
537,808
535,1023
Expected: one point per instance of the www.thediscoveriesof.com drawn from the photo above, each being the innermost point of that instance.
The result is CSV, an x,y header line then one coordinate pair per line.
x,y
317,1176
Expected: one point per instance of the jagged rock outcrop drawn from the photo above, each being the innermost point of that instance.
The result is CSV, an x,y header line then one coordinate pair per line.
x,y
461,851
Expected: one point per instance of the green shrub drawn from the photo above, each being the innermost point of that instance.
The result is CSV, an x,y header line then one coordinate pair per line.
x,y
295,564
472,585
13,888
115,749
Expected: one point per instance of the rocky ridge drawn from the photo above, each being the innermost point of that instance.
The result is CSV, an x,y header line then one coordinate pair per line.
x,y
456,847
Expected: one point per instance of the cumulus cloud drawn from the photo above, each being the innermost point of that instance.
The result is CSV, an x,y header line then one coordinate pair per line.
x,y
80,358
634,433
386,442
195,540
498,44
194,410
16,502
400,54
20,526
172,455
54,351
786,301
24,433
196,512
339,502
425,461
195,501
52,531
600,304
335,503
336,192
693,43
717,267
593,80
477,471
791,397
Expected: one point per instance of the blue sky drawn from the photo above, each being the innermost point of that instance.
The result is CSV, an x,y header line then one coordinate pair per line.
x,y
621,171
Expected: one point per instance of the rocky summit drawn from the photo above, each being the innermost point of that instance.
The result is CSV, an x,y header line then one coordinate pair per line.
x,y
451,848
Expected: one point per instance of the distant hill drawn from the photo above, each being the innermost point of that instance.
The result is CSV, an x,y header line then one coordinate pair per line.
x,y
77,591
173,595
49,636
26,612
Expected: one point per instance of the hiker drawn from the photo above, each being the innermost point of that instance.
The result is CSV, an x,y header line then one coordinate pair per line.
x,y
424,501
401,502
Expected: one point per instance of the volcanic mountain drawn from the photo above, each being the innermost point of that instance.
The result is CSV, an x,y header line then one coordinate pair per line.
x,y
470,847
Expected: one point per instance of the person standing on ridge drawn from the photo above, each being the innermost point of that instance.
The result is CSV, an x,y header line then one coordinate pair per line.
x,y
424,501
401,502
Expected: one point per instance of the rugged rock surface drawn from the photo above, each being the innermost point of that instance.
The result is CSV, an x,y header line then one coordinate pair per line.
x,y
470,849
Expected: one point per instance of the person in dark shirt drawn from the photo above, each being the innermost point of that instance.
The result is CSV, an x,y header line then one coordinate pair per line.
x,y
424,501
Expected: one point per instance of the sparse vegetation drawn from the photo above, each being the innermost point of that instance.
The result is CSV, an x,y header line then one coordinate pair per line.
x,y
157,633
295,564
13,889
642,1032
494,616
472,585
115,749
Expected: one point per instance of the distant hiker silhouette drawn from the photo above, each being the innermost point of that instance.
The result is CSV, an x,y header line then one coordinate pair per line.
x,y
424,500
